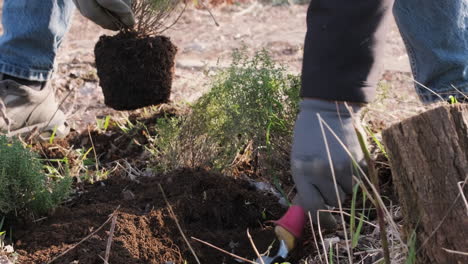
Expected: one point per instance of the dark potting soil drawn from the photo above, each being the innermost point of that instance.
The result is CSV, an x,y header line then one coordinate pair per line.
x,y
211,207
133,71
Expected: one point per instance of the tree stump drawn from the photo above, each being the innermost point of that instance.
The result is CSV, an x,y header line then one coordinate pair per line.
x,y
428,155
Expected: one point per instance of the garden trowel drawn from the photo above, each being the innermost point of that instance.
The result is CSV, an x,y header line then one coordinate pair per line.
x,y
280,256
287,229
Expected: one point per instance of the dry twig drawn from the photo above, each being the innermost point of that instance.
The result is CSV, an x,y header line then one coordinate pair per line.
x,y
87,237
348,247
151,17
109,240
224,251
178,225
254,247
314,237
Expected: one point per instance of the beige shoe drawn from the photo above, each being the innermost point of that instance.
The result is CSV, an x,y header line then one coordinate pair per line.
x,y
25,110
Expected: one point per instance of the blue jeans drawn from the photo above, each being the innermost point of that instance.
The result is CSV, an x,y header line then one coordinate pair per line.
x,y
32,33
436,38
345,39
435,33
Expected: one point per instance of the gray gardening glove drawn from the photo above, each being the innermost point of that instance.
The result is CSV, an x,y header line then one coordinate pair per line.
x,y
109,14
309,162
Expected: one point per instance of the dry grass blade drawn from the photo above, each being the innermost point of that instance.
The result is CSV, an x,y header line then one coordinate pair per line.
x,y
456,252
427,88
109,240
209,11
314,237
87,237
94,149
375,197
375,181
254,247
357,218
321,237
460,92
178,225
348,247
460,188
224,251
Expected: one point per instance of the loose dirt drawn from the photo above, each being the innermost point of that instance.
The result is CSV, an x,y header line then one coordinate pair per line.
x,y
135,71
208,206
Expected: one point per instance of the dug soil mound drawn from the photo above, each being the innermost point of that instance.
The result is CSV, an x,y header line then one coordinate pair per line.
x,y
135,71
211,207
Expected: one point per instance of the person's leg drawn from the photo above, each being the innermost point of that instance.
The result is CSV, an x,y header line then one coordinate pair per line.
x,y
32,33
343,49
436,38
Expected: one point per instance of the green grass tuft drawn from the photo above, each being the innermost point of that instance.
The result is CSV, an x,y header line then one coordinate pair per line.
x,y
24,186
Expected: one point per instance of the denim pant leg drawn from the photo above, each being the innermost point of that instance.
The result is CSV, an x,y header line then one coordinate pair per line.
x,y
435,33
33,31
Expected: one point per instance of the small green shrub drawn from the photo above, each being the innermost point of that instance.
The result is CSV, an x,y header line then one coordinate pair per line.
x,y
248,114
24,186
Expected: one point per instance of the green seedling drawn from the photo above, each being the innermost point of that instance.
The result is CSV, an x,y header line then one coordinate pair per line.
x,y
377,141
379,207
330,253
453,99
52,137
103,124
1,225
411,259
356,231
2,234
85,162
125,125
264,216
83,157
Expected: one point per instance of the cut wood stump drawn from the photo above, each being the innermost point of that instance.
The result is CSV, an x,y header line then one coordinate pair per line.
x,y
428,155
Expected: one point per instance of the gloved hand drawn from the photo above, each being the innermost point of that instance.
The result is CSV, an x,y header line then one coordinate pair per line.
x,y
309,162
109,14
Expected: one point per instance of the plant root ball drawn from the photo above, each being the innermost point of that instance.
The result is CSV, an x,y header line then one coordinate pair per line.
x,y
135,71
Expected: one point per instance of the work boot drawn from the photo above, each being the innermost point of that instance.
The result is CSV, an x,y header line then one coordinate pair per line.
x,y
29,107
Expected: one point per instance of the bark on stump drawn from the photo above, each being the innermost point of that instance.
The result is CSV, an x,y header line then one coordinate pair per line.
x,y
429,156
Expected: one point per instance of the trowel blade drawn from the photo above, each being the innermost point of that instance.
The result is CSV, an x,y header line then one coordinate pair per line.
x,y
282,253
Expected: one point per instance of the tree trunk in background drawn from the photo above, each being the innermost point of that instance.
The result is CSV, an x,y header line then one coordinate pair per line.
x,y
429,156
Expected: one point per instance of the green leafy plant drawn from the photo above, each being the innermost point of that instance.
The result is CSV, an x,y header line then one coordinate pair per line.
x,y
24,186
248,114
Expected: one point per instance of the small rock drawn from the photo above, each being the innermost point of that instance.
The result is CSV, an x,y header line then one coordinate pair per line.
x,y
5,260
8,249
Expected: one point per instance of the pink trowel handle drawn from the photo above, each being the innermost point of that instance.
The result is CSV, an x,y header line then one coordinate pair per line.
x,y
293,220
